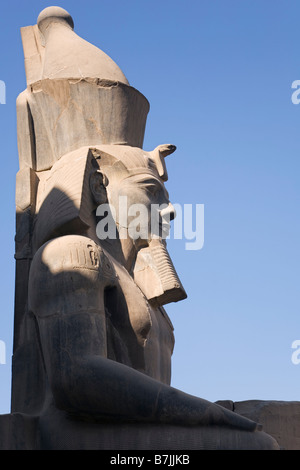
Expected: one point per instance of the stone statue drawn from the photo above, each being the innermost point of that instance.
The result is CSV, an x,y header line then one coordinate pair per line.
x,y
92,341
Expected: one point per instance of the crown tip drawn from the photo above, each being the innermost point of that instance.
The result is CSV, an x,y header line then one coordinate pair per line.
x,y
54,14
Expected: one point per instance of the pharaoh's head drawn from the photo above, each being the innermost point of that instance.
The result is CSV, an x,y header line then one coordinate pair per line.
x,y
129,187
88,126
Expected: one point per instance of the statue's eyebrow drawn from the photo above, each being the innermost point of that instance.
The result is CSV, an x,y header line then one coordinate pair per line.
x,y
144,179
149,180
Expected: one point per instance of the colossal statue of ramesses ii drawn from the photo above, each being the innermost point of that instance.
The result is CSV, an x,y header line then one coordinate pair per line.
x,y
93,341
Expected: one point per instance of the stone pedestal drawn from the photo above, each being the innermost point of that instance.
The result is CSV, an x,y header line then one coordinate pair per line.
x,y
280,421
57,432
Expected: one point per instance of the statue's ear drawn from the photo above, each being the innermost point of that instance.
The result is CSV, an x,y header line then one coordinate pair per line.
x,y
98,183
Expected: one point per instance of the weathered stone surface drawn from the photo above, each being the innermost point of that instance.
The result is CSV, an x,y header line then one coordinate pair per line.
x,y
280,419
18,432
56,432
69,114
76,95
92,341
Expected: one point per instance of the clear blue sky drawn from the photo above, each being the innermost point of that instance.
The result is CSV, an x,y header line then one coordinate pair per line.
x,y
218,76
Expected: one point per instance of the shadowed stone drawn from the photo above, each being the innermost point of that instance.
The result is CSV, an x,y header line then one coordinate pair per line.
x,y
92,340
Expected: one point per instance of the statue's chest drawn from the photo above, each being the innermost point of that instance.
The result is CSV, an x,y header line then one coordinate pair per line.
x,y
138,334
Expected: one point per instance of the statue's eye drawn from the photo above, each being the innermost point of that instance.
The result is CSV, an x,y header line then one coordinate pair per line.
x,y
151,188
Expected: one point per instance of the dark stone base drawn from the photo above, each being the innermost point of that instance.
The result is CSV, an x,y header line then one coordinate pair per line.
x,y
54,431
18,432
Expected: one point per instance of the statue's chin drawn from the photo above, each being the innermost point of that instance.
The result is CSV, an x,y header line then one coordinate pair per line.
x,y
155,274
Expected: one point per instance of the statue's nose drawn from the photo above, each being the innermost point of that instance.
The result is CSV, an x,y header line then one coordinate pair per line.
x,y
168,212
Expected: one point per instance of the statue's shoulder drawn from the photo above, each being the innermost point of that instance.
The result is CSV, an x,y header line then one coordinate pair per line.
x,y
66,266
73,252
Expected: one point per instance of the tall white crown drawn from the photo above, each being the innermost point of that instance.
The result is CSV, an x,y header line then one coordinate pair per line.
x,y
76,95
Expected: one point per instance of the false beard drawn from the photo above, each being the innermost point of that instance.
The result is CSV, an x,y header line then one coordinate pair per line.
x,y
156,276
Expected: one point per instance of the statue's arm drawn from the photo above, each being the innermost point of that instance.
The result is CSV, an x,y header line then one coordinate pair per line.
x,y
69,305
